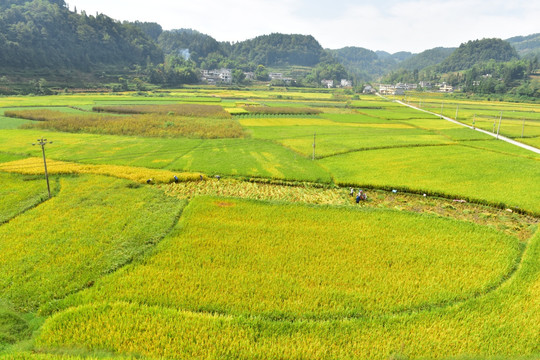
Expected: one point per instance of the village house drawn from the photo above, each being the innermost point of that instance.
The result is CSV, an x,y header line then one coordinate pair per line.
x,y
385,89
445,88
275,76
346,83
217,76
328,83
368,90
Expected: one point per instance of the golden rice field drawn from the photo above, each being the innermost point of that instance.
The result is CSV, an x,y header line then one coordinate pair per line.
x,y
274,259
34,166
293,262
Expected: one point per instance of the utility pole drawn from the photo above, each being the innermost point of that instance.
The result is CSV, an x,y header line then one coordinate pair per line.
x,y
499,128
441,110
314,136
44,142
523,128
473,121
457,108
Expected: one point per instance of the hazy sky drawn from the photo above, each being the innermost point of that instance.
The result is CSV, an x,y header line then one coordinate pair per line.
x,y
390,25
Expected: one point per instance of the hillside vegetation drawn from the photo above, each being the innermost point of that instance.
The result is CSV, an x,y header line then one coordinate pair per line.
x,y
45,34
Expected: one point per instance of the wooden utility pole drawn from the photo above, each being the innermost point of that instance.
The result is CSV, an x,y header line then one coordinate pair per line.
x,y
44,142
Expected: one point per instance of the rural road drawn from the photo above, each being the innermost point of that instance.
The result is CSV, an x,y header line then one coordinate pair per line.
x,y
500,137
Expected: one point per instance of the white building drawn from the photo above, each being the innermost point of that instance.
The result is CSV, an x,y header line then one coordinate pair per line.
x,y
346,83
275,76
328,83
446,88
216,76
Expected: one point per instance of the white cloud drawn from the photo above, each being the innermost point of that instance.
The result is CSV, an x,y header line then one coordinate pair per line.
x,y
391,25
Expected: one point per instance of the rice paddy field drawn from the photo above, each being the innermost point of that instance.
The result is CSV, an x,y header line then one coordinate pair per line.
x,y
219,224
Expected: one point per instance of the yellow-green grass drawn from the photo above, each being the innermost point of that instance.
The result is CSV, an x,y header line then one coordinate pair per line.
x,y
247,157
98,149
248,258
92,227
249,122
336,140
19,193
401,113
448,129
34,166
535,141
503,324
250,157
498,174
92,99
353,116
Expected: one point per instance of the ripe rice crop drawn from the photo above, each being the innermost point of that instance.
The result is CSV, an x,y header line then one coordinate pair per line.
x,y
152,125
288,262
34,166
92,227
189,110
521,226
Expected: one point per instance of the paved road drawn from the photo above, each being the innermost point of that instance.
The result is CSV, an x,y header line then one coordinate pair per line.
x,y
500,137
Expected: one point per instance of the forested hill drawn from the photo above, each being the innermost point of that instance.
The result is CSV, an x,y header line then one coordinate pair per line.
x,y
279,50
528,46
46,34
190,44
426,58
478,51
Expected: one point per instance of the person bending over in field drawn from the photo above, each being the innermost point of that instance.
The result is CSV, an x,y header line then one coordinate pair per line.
x,y
362,195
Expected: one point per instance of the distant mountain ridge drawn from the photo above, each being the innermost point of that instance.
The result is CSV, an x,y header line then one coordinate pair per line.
x,y
526,45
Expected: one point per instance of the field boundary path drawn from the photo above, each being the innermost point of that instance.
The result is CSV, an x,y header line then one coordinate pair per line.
x,y
500,137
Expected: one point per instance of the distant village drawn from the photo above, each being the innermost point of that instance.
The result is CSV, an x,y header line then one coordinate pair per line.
x,y
224,76
400,88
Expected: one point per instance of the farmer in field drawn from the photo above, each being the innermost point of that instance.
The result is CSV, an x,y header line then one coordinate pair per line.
x,y
352,192
362,195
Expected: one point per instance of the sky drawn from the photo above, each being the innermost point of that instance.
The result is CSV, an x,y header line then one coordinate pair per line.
x,y
387,25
